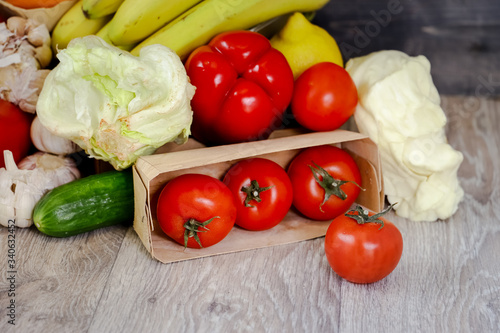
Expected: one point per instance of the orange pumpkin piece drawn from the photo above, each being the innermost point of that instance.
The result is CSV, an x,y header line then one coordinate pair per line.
x,y
31,4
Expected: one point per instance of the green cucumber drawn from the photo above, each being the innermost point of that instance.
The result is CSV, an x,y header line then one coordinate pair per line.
x,y
86,204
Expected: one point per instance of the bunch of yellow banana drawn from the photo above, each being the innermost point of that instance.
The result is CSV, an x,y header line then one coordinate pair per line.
x,y
75,24
181,25
99,8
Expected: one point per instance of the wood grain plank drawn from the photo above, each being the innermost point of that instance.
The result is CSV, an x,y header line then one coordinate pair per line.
x,y
58,281
473,124
447,281
252,291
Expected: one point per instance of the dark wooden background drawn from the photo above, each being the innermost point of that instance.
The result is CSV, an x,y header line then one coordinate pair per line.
x,y
461,38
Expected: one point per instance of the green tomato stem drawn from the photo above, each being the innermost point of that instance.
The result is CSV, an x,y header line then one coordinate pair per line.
x,y
329,184
192,229
363,215
253,192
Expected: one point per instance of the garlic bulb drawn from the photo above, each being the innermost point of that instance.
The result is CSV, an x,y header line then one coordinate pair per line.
x,y
24,53
47,142
23,186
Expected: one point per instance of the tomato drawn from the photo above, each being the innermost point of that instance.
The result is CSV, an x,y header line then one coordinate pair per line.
x,y
326,181
15,126
262,191
196,210
365,251
243,87
324,97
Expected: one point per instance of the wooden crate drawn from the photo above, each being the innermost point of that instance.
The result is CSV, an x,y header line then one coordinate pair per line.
x,y
152,172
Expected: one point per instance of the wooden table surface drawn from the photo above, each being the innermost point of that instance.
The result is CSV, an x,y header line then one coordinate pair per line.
x,y
448,279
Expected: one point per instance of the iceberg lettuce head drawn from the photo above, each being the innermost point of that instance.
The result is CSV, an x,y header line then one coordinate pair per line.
x,y
114,105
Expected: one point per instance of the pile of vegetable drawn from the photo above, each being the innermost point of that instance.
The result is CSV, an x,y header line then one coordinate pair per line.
x,y
99,101
321,183
32,161
243,87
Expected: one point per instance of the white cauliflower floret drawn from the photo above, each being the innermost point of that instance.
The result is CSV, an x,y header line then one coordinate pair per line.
x,y
399,109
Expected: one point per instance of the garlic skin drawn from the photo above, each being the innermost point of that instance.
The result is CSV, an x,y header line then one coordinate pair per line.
x,y
47,142
25,184
24,53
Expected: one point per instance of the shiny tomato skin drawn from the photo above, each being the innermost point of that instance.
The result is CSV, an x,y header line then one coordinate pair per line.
x,y
237,120
324,97
308,195
15,126
361,253
243,87
197,196
275,201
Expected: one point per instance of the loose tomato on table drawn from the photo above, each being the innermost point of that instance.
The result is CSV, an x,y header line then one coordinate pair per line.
x,y
243,87
262,192
15,126
326,181
363,247
324,97
196,210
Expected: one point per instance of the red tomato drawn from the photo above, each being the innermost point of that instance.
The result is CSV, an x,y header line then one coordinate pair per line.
x,y
196,210
363,252
243,87
15,127
262,191
326,181
324,97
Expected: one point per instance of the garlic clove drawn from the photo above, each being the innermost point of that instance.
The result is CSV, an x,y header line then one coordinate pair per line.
x,y
59,170
6,213
24,186
25,199
10,164
17,25
44,55
45,141
38,35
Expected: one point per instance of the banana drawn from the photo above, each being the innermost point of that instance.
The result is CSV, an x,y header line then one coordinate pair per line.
x,y
74,24
137,19
103,33
210,17
98,8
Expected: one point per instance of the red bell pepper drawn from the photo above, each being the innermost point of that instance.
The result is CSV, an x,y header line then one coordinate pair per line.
x,y
15,126
243,87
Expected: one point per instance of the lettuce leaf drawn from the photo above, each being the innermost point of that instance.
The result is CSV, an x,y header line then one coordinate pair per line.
x,y
114,105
